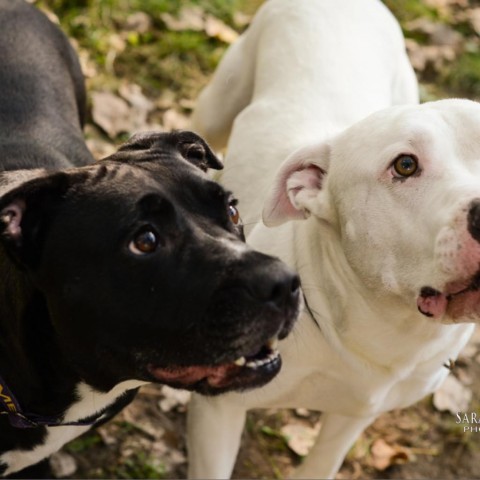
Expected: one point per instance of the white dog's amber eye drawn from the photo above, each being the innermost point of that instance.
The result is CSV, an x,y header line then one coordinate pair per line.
x,y
405,165
234,214
146,241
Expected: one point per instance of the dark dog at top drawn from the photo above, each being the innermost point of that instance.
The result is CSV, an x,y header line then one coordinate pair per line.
x,y
113,274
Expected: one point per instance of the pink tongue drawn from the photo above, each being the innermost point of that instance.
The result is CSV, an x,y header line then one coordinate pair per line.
x,y
432,305
192,374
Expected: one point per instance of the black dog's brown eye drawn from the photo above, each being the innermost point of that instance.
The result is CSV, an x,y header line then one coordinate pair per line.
x,y
405,166
234,214
144,242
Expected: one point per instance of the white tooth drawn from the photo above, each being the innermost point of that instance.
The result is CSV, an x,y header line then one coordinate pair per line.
x,y
258,363
272,344
240,361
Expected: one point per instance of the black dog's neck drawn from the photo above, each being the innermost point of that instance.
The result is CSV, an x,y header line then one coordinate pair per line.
x,y
31,362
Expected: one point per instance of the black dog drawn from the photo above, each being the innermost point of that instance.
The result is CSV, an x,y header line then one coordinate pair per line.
x,y
114,274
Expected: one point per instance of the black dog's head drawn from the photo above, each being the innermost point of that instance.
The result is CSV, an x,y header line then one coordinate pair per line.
x,y
142,263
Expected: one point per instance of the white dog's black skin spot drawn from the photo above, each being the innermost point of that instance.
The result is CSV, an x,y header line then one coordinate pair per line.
x,y
473,219
428,292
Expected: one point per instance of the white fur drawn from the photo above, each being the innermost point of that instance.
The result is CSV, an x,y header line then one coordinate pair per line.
x,y
363,243
305,69
90,402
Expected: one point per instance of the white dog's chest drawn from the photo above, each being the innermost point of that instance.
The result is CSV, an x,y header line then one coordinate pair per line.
x,y
321,379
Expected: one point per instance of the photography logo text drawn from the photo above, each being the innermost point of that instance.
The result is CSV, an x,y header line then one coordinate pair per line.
x,y
470,421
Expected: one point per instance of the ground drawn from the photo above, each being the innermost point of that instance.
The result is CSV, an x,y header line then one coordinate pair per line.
x,y
145,62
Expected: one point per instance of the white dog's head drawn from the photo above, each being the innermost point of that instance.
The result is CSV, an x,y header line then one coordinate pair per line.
x,y
402,189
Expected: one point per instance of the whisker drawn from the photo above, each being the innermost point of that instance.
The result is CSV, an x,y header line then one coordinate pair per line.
x,y
311,285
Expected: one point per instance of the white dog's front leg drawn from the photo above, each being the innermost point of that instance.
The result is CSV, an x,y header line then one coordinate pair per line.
x,y
215,428
337,435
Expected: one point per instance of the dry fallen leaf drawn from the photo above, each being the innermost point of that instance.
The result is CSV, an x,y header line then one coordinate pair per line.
x,y
438,33
134,95
383,455
138,22
173,398
166,100
215,28
108,438
173,120
63,464
100,148
452,396
111,113
432,56
89,67
302,412
190,18
114,115
168,456
50,15
241,19
299,437
444,6
194,18
134,415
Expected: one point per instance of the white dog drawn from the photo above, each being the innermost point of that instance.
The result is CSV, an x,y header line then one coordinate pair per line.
x,y
387,231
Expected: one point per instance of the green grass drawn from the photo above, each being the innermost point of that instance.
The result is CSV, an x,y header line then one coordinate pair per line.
x,y
139,465
464,78
406,10
178,60
85,442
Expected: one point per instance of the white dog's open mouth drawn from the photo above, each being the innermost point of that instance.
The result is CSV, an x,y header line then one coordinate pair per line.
x,y
459,299
244,372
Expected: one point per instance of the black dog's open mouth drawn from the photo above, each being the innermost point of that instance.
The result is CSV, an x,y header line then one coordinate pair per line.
x,y
247,371
459,299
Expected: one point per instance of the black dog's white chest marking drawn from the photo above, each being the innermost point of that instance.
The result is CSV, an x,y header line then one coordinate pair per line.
x,y
90,403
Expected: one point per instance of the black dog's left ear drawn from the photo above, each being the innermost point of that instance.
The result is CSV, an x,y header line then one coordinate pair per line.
x,y
26,208
191,146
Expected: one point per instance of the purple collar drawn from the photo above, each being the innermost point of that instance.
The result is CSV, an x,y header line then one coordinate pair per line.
x,y
20,419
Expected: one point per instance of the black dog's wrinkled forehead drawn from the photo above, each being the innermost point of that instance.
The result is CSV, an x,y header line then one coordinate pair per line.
x,y
173,164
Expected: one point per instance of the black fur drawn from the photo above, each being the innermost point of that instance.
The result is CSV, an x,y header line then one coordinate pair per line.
x,y
42,95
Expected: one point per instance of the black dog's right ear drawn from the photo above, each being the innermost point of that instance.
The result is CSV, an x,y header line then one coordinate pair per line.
x,y
196,150
191,147
25,210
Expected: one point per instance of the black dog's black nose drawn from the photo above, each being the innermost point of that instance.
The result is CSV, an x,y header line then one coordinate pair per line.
x,y
284,288
278,285
473,219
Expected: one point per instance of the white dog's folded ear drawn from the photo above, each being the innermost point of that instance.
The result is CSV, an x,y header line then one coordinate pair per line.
x,y
297,185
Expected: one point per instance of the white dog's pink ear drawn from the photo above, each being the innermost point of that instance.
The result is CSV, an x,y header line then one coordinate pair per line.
x,y
296,185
